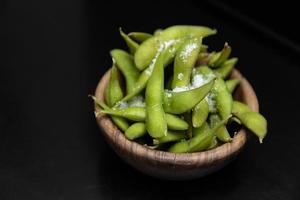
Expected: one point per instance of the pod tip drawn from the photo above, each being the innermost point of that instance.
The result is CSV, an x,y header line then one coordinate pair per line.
x,y
261,140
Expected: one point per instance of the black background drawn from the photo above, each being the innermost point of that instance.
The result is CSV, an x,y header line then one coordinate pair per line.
x,y
53,54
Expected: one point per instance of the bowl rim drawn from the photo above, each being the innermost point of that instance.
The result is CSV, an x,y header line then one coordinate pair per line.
x,y
117,139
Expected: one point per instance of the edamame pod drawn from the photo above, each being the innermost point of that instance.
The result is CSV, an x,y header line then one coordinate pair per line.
x,y
139,114
239,107
168,54
199,142
204,128
158,32
131,113
220,57
113,92
213,143
232,84
121,123
148,49
203,140
156,123
180,147
139,85
125,64
222,97
132,45
203,58
136,130
222,133
226,68
200,113
180,102
185,60
172,136
252,120
205,71
176,123
139,36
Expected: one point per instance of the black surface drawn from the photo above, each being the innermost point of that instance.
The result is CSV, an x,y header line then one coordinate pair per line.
x,y
54,53
278,16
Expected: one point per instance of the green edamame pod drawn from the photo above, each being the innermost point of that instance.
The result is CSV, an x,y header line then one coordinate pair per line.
x,y
121,123
172,136
232,84
213,57
200,113
223,98
213,143
139,86
148,49
256,123
158,32
171,49
205,71
220,57
225,69
168,54
199,142
156,123
125,64
203,140
139,36
203,58
176,123
113,92
239,107
180,102
252,120
180,147
132,45
136,130
222,133
204,128
131,113
139,114
185,60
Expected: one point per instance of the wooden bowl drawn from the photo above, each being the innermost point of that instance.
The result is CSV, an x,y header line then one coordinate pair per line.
x,y
175,166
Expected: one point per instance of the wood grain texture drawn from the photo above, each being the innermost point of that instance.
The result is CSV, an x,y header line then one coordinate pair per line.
x,y
175,166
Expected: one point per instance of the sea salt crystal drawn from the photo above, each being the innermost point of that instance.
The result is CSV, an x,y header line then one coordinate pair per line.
x,y
169,43
137,101
187,51
123,104
182,88
180,76
197,81
210,98
168,94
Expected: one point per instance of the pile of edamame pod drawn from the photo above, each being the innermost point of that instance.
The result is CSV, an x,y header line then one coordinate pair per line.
x,y
186,110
